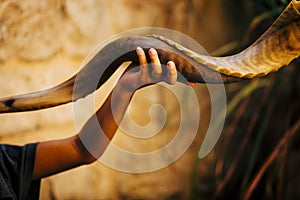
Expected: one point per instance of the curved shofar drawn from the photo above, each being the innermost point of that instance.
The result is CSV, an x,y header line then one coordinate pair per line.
x,y
277,47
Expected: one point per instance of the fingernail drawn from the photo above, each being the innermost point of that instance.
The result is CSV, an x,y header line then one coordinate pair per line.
x,y
139,49
169,64
152,51
192,83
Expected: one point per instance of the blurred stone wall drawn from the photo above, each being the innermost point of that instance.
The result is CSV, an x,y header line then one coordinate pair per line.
x,y
42,43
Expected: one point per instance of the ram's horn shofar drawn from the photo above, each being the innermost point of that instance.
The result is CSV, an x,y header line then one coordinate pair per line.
x,y
276,48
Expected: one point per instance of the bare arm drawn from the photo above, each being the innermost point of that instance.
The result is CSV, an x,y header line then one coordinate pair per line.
x,y
56,156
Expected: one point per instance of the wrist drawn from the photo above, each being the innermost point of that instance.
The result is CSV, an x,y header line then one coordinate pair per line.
x,y
123,90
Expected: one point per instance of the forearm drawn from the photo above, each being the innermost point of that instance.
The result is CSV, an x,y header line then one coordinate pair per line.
x,y
87,146
56,156
98,131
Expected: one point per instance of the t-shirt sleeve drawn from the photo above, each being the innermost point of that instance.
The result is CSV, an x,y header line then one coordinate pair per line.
x,y
16,171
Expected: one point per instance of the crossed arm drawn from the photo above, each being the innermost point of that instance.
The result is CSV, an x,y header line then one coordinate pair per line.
x,y
56,156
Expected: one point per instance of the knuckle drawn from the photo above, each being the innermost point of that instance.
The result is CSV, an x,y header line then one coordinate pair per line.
x,y
157,73
172,72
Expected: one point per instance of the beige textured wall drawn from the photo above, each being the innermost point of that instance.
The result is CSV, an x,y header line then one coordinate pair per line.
x,y
42,43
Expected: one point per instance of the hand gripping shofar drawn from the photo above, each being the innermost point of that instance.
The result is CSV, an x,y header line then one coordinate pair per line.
x,y
276,48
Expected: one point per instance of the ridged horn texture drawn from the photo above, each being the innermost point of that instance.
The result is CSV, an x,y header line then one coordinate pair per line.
x,y
276,48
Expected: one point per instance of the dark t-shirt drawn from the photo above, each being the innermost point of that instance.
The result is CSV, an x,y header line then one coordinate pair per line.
x,y
16,170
